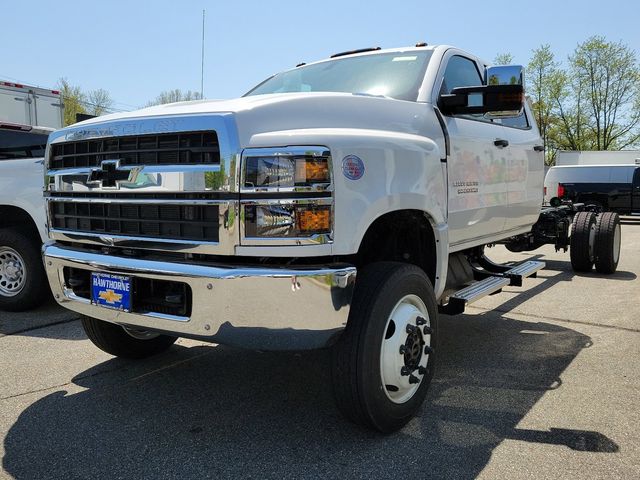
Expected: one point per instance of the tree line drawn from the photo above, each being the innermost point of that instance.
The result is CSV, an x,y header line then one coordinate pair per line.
x,y
589,102
99,102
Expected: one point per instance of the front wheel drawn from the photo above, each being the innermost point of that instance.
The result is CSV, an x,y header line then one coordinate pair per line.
x,y
23,283
125,342
383,363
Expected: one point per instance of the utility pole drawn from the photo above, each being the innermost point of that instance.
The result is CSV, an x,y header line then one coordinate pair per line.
x,y
202,65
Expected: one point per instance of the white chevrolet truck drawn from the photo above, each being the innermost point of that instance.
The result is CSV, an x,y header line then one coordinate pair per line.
x,y
341,204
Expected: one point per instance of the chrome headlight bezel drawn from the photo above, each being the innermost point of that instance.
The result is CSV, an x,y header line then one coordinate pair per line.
x,y
282,202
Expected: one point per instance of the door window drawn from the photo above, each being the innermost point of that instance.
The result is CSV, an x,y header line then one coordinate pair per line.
x,y
460,72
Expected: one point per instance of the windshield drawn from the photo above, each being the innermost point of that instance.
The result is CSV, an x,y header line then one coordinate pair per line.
x,y
15,144
396,75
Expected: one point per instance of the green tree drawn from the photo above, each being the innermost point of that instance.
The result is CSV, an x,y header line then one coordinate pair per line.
x,y
99,102
503,59
176,95
545,80
609,79
73,99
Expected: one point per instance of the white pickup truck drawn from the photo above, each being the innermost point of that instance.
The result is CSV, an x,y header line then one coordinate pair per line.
x,y
342,203
23,283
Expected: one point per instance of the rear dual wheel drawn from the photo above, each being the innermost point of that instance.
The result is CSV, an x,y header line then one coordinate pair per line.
x,y
383,363
608,241
595,240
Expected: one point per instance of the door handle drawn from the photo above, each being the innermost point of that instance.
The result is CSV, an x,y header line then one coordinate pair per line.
x,y
539,148
501,143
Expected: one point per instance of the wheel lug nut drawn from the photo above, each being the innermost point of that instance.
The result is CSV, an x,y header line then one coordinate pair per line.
x,y
404,371
422,370
413,379
411,328
427,330
428,350
420,321
403,349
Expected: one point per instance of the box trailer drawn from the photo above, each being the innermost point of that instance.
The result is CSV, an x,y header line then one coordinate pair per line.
x,y
26,105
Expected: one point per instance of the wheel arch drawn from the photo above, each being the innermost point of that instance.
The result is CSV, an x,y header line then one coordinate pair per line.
x,y
13,216
408,236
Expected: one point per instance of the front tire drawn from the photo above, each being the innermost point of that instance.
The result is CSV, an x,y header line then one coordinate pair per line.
x,y
120,342
23,283
608,240
383,363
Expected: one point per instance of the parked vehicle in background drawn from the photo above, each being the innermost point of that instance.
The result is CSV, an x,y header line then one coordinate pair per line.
x,y
25,105
598,157
614,188
22,216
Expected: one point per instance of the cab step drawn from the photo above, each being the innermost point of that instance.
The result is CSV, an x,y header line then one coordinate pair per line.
x,y
490,285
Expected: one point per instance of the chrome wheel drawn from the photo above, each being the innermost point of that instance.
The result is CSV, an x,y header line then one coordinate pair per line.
x,y
405,349
13,273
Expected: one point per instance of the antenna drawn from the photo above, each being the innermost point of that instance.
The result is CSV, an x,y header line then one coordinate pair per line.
x,y
202,65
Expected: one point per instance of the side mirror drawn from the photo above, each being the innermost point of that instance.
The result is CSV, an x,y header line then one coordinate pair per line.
x,y
501,97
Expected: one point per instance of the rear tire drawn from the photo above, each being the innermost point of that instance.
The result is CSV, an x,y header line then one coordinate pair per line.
x,y
115,340
23,283
582,241
376,347
608,239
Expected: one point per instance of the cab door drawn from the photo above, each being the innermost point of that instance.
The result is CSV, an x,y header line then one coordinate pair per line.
x,y
476,166
525,171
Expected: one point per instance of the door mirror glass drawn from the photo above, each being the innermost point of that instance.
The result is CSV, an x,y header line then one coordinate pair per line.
x,y
505,75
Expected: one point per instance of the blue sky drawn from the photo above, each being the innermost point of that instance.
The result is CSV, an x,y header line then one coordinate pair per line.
x,y
136,49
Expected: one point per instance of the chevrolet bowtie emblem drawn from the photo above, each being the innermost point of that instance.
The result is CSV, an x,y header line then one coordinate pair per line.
x,y
109,174
110,296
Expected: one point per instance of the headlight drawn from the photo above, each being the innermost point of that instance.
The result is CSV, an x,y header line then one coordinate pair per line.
x,y
294,168
286,195
287,219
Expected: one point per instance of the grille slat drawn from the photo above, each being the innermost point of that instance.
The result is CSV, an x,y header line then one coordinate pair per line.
x,y
179,222
159,149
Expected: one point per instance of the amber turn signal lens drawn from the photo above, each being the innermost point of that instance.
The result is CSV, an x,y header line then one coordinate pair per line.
x,y
312,171
314,220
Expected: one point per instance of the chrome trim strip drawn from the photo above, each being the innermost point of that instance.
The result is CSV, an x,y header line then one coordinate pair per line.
x,y
140,201
234,305
185,168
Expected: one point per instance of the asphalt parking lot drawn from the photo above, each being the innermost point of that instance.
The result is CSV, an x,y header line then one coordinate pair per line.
x,y
537,382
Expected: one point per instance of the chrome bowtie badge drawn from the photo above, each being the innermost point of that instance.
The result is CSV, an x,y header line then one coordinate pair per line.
x,y
109,174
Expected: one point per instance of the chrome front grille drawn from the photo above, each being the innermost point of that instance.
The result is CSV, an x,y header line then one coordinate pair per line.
x,y
157,183
186,148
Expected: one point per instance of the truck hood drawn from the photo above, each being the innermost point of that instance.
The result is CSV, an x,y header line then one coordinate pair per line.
x,y
294,111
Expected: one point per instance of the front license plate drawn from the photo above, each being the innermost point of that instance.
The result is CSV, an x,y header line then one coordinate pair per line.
x,y
111,291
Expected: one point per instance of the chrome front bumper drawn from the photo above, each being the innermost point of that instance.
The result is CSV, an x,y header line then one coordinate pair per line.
x,y
253,307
